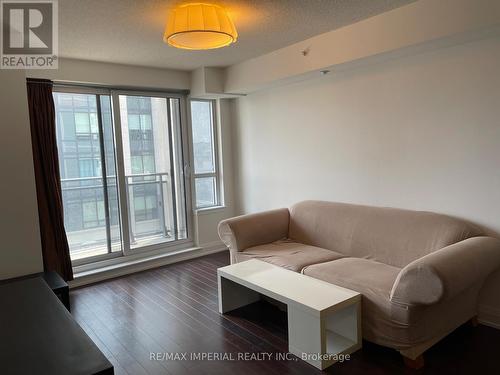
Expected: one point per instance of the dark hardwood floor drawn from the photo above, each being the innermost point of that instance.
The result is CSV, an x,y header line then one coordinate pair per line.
x,y
173,309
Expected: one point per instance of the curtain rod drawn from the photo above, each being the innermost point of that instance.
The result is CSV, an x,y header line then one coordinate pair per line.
x,y
38,80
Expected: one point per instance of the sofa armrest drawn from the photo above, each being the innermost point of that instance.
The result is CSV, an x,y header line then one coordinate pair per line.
x,y
445,273
242,232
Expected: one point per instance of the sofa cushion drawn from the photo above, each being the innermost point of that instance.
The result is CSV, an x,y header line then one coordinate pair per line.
x,y
288,254
388,235
374,280
370,278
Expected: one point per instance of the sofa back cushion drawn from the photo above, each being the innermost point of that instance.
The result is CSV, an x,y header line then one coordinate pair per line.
x,y
388,235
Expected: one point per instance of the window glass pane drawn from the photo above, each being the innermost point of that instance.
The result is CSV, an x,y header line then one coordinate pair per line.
x,y
84,147
67,123
136,164
89,212
69,147
97,168
101,214
205,192
146,122
70,169
202,128
64,101
82,122
151,202
145,104
134,122
86,169
147,163
81,100
94,125
82,184
133,104
139,203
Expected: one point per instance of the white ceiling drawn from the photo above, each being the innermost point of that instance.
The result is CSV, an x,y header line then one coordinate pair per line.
x,y
130,31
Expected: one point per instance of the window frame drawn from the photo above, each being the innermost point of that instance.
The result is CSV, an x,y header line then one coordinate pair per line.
x,y
92,262
216,174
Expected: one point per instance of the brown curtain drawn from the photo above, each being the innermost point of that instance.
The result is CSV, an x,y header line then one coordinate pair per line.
x,y
55,248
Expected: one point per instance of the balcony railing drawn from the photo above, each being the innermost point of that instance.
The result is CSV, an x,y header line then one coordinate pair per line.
x,y
93,229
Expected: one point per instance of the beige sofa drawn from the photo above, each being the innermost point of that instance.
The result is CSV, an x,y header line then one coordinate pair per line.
x,y
419,272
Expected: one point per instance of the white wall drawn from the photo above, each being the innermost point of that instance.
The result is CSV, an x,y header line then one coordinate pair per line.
x,y
19,231
80,71
419,132
423,24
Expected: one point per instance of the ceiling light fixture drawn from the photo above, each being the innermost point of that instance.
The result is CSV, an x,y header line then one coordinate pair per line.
x,y
199,26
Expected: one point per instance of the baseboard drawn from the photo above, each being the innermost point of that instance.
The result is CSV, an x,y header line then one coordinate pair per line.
x,y
214,245
489,316
123,269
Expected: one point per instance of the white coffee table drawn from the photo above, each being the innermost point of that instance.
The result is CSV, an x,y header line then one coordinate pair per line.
x,y
324,320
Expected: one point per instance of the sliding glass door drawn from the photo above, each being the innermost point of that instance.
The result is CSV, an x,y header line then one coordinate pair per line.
x,y
152,166
121,166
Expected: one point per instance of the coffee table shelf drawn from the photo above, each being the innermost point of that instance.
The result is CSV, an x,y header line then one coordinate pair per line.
x,y
336,343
